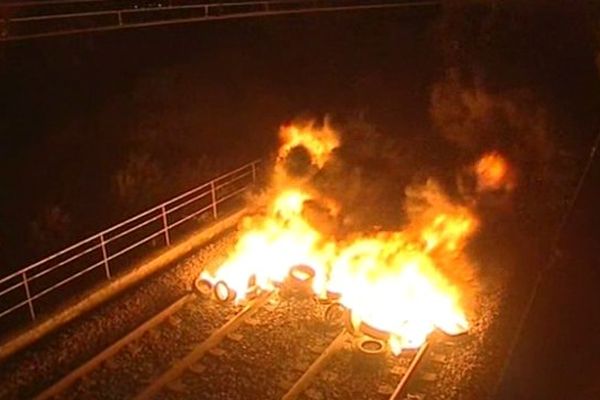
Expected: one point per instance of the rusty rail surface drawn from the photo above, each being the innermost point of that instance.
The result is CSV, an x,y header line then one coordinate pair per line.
x,y
171,377
113,349
337,344
301,384
401,388
199,351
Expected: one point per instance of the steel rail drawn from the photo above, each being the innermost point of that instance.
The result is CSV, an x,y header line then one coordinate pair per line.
x,y
302,383
401,387
195,355
93,363
317,366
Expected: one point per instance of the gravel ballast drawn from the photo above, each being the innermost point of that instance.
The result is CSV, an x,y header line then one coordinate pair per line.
x,y
265,356
28,372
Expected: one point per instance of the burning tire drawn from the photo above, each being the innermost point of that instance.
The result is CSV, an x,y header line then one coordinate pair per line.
x,y
252,293
302,274
370,346
335,313
203,287
373,332
330,298
299,282
360,328
253,289
223,293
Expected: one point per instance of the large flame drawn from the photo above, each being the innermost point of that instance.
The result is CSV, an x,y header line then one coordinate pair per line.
x,y
391,281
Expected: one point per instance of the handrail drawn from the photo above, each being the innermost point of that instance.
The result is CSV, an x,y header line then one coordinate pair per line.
x,y
211,11
98,244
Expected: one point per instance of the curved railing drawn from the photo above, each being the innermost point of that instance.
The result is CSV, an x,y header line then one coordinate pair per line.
x,y
113,249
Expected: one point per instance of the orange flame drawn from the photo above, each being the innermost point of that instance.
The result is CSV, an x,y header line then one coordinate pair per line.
x,y
391,281
319,142
493,172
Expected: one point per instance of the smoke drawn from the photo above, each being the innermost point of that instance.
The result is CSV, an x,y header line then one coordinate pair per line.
x,y
500,92
368,179
373,185
517,77
476,120
367,176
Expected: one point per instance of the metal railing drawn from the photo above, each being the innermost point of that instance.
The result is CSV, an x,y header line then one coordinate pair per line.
x,y
36,20
22,289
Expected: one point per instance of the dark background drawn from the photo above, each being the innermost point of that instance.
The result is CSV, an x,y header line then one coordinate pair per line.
x,y
167,108
94,128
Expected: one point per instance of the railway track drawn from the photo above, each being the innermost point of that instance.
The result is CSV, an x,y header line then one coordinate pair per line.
x,y
344,371
131,362
191,361
278,345
112,350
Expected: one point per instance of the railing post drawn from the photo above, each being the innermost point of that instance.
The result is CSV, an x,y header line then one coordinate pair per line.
x,y
104,256
165,225
253,171
120,18
29,301
213,192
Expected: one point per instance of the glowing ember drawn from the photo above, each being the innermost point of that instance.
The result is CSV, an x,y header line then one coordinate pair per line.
x,y
393,282
223,292
493,172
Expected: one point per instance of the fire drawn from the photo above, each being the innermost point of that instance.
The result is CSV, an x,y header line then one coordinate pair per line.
x,y
493,172
319,142
270,245
391,281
